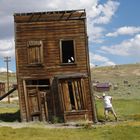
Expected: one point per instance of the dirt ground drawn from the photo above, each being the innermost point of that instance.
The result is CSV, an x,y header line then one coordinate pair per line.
x,y
71,125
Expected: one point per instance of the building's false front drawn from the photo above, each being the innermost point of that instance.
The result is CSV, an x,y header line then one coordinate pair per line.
x,y
52,64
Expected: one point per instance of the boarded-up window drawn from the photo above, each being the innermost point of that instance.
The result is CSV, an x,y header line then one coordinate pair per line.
x,y
72,94
35,52
67,51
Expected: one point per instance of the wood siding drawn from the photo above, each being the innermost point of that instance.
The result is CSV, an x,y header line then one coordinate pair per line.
x,y
2,88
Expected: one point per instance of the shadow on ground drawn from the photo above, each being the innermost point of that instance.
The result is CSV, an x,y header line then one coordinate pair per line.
x,y
10,117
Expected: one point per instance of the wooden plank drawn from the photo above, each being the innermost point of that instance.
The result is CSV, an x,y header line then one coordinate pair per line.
x,y
61,96
74,94
84,93
26,100
39,103
66,96
80,93
46,110
44,106
77,94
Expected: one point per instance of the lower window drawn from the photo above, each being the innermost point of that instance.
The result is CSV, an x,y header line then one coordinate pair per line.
x,y
72,94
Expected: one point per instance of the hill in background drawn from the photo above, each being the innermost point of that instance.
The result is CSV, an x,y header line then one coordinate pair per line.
x,y
125,80
12,80
116,75
12,77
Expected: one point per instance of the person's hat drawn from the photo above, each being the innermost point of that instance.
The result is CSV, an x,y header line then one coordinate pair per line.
x,y
103,94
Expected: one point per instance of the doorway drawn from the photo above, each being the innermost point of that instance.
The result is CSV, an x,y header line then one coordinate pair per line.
x,y
36,92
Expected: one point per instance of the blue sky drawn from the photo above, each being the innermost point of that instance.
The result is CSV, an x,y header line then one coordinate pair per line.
x,y
113,28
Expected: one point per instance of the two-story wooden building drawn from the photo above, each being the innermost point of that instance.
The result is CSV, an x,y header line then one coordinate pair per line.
x,y
52,62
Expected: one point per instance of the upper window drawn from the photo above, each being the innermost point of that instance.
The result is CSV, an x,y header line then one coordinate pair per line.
x,y
35,52
67,51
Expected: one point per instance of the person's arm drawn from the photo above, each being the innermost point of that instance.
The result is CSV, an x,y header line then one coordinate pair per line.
x,y
110,99
99,97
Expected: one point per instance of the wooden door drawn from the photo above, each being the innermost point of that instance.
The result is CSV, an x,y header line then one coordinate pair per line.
x,y
34,104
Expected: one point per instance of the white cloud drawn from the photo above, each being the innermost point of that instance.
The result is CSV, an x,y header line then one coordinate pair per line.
x,y
95,33
7,48
44,5
103,14
98,59
126,30
4,70
129,47
99,15
6,20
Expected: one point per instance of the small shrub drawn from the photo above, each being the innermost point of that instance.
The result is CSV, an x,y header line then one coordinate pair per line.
x,y
87,126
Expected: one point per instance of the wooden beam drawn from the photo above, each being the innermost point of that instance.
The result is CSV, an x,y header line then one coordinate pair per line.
x,y
26,101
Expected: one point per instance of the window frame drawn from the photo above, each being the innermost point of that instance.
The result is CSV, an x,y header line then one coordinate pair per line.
x,y
61,53
79,97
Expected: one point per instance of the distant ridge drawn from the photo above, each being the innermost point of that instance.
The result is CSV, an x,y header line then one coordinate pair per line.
x,y
118,72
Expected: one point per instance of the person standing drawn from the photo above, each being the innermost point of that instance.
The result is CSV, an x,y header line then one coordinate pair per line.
x,y
108,107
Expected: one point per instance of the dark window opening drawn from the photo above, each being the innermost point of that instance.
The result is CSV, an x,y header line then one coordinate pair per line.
x,y
38,82
71,95
67,48
41,84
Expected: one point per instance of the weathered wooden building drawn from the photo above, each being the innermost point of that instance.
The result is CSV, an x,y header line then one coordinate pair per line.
x,y
52,61
101,87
